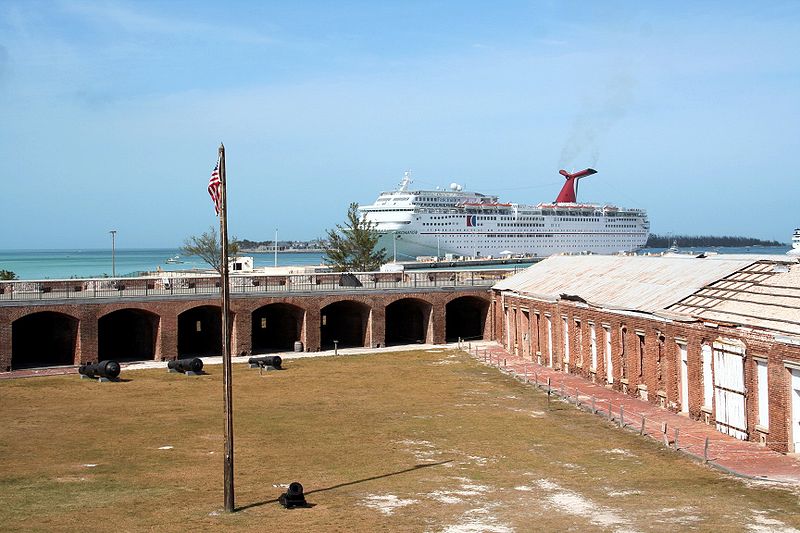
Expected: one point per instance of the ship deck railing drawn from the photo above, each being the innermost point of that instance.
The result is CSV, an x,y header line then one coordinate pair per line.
x,y
248,284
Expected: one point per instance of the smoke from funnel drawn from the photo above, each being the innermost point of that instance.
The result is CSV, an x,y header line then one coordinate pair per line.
x,y
4,63
601,110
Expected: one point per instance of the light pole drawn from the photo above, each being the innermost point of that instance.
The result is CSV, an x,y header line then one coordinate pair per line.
x,y
394,247
438,251
113,233
276,247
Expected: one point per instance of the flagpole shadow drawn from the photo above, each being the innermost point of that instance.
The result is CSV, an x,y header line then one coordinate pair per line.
x,y
348,483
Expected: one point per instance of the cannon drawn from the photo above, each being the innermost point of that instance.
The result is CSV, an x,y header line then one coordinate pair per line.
x,y
293,497
193,365
272,361
103,370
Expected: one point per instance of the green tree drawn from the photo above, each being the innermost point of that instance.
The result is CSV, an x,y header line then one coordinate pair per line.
x,y
6,275
351,246
209,247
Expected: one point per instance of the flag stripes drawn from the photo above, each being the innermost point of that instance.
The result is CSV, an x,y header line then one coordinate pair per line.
x,y
213,188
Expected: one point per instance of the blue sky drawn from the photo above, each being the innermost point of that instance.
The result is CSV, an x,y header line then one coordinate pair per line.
x,y
111,112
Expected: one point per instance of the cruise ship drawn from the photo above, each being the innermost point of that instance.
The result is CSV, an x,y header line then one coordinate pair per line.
x,y
455,222
795,250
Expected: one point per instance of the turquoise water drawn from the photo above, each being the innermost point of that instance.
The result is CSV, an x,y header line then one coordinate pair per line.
x,y
61,264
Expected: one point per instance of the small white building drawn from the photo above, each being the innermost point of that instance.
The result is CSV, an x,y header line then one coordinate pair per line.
x,y
240,264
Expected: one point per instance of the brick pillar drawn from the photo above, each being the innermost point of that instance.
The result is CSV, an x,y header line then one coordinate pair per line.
x,y
86,349
779,383
377,326
168,335
437,322
5,345
311,334
241,338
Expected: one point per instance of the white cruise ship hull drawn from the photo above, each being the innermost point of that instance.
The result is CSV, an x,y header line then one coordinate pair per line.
x,y
408,245
468,224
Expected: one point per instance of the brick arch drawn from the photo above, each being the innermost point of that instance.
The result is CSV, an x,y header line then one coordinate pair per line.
x,y
346,320
128,334
200,331
486,297
333,298
44,338
429,298
408,320
466,317
33,310
276,326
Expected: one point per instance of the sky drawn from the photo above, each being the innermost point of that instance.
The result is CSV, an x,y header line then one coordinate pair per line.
x,y
111,112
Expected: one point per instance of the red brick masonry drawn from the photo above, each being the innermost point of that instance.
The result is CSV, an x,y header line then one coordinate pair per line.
x,y
738,457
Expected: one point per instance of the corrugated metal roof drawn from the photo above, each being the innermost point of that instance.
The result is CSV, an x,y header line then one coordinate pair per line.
x,y
762,295
635,283
755,291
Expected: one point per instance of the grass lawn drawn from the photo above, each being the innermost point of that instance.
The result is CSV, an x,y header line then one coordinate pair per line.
x,y
412,441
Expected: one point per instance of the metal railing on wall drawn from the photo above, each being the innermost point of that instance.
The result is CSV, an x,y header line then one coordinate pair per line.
x,y
245,284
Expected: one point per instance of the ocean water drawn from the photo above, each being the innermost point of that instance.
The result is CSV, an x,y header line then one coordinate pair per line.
x,y
63,264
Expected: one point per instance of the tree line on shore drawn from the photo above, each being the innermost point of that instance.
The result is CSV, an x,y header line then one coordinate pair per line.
x,y
665,241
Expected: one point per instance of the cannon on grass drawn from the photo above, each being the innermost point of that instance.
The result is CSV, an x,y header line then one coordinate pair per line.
x,y
268,362
191,366
293,497
102,371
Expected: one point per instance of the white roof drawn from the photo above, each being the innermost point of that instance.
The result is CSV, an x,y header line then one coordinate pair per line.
x,y
635,283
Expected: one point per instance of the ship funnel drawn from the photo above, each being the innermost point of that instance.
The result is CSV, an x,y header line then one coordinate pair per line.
x,y
569,192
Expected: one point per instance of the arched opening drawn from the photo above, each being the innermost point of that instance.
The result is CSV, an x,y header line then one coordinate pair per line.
x,y
276,327
466,318
127,335
345,322
43,339
407,321
200,331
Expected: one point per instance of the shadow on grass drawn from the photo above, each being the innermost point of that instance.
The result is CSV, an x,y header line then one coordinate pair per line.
x,y
340,485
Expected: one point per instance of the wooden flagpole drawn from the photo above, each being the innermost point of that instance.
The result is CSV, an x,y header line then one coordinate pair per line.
x,y
226,334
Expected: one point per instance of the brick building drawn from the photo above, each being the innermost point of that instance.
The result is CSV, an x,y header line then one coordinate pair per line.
x,y
68,326
716,338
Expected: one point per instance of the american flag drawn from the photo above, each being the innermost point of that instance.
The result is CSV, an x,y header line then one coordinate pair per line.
x,y
213,188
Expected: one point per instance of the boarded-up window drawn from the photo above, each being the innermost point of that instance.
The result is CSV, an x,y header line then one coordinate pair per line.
x,y
729,391
708,381
763,393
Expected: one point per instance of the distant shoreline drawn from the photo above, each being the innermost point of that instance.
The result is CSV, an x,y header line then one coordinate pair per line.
x,y
286,251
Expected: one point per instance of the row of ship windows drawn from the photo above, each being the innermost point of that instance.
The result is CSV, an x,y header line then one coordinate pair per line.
x,y
517,236
528,225
560,244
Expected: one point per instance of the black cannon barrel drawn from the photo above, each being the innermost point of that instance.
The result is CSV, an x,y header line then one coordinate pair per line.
x,y
293,497
194,364
103,369
268,360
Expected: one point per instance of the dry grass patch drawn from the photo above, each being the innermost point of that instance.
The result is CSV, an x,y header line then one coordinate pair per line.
x,y
392,442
